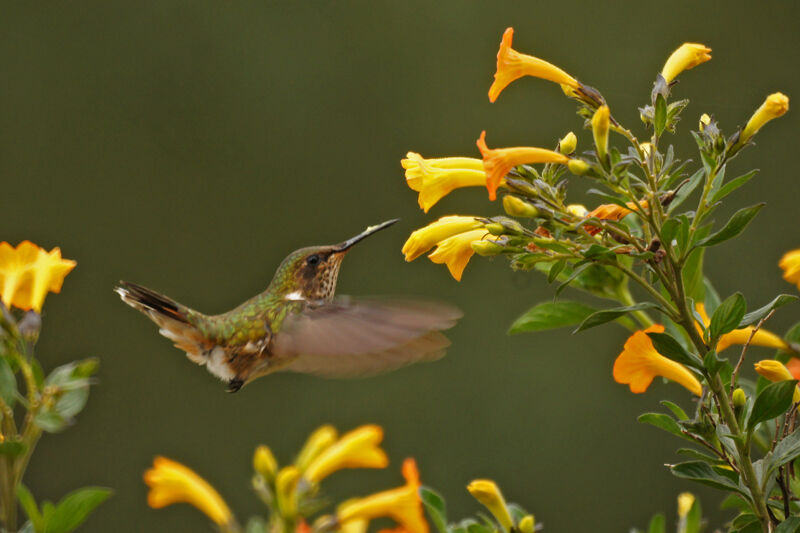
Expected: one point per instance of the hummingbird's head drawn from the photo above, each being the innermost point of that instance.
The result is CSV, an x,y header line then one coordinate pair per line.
x,y
311,273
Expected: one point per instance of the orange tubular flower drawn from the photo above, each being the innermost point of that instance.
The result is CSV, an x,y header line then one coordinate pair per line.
x,y
171,482
639,363
741,336
434,179
511,65
499,161
612,212
402,504
790,264
28,273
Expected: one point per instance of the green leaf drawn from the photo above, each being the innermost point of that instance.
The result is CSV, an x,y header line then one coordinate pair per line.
x,y
75,508
691,452
669,230
687,189
732,185
727,316
72,402
662,421
549,315
12,448
790,525
787,450
670,348
607,315
702,473
50,421
27,502
660,119
657,524
712,362
693,274
8,383
772,401
752,318
555,270
435,506
676,410
737,223
694,519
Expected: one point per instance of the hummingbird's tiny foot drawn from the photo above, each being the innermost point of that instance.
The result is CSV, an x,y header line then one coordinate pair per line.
x,y
235,384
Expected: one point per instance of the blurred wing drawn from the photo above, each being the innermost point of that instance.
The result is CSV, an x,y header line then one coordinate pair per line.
x,y
361,337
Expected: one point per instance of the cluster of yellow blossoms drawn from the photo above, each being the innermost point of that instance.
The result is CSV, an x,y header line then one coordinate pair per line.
x,y
324,453
436,177
28,273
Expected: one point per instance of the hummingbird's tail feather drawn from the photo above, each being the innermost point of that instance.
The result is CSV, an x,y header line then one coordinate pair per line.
x,y
172,318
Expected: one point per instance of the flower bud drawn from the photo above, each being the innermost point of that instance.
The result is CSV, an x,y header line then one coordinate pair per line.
x,y
527,524
568,143
30,325
264,462
487,248
600,125
705,120
577,209
685,503
285,488
776,105
739,398
488,494
579,167
776,371
495,228
517,207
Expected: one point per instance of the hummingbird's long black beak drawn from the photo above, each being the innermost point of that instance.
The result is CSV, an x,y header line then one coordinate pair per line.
x,y
346,245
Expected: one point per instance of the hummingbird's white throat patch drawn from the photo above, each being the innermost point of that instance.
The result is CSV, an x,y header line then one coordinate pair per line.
x,y
294,295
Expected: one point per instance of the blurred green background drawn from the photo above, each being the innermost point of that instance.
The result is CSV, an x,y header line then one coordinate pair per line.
x,y
190,145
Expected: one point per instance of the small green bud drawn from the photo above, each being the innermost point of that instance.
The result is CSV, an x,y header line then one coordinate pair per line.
x,y
495,228
487,248
516,207
527,524
739,398
568,144
579,167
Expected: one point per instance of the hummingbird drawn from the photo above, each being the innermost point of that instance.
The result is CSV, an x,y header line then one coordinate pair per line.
x,y
297,325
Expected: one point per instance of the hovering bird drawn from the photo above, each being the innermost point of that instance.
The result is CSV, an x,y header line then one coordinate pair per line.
x,y
297,325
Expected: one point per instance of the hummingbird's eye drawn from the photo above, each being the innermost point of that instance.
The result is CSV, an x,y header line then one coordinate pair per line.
x,y
313,260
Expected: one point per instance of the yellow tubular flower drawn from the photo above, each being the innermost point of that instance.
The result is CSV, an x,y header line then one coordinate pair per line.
x,y
319,441
426,238
456,251
286,490
511,65
402,504
264,462
776,105
741,336
356,449
639,363
434,179
28,273
171,482
601,121
488,494
790,264
776,371
499,161
687,56
685,502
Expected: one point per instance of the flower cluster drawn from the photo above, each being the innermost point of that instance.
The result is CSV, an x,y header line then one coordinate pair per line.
x,y
291,492
639,249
